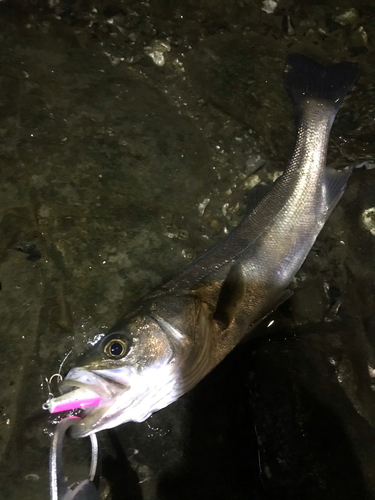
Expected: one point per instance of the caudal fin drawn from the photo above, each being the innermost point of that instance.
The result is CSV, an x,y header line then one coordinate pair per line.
x,y
305,78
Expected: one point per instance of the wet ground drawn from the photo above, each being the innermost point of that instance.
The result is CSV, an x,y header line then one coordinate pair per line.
x,y
118,121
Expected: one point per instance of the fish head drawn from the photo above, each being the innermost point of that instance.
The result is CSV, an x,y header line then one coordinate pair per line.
x,y
136,369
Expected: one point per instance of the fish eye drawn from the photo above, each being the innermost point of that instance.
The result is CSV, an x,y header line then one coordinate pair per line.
x,y
116,348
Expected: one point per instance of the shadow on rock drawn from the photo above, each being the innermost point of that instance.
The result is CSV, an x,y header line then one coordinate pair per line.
x,y
314,412
220,459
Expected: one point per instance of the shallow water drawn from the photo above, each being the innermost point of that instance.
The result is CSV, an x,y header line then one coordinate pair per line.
x,y
105,158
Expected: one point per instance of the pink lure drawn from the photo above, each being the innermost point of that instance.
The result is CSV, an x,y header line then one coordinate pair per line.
x,y
80,398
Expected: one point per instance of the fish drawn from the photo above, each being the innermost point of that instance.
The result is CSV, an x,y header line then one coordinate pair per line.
x,y
178,333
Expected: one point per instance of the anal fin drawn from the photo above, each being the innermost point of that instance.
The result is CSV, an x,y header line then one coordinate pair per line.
x,y
335,183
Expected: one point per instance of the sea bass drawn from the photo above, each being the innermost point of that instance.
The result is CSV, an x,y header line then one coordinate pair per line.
x,y
177,334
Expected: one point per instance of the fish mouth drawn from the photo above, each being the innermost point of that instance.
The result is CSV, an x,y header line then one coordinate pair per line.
x,y
91,392
124,394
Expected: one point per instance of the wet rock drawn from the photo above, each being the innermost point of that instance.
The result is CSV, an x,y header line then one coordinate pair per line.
x,y
31,250
314,413
248,99
347,17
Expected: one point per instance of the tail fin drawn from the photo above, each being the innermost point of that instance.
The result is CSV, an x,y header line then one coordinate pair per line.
x,y
306,78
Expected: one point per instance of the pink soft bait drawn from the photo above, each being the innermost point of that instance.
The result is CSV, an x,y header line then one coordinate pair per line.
x,y
78,398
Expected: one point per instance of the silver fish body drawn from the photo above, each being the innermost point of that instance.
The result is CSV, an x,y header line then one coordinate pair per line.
x,y
180,332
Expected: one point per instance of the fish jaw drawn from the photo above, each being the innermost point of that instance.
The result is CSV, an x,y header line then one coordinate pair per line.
x,y
126,395
83,388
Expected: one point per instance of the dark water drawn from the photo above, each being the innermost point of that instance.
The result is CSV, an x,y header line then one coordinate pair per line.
x,y
105,156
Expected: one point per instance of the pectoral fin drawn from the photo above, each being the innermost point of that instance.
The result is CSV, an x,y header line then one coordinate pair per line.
x,y
231,294
236,290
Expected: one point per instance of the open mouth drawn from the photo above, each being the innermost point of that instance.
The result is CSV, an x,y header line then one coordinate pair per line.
x,y
83,389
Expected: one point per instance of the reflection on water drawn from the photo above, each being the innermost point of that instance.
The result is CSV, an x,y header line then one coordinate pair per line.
x,y
131,133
